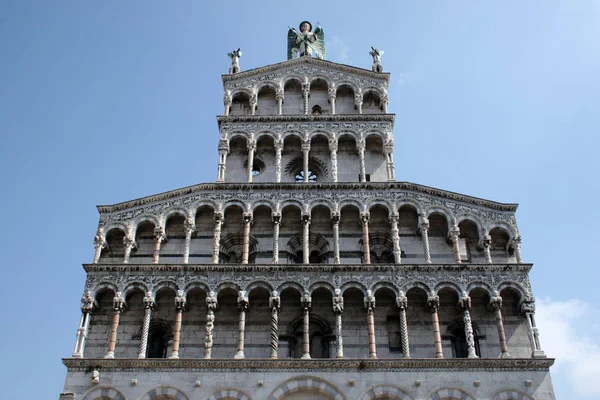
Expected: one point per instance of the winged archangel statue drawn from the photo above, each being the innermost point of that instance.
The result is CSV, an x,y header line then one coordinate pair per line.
x,y
235,61
306,42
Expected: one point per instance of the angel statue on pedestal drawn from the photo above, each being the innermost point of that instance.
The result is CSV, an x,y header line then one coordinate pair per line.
x,y
306,42
235,61
376,54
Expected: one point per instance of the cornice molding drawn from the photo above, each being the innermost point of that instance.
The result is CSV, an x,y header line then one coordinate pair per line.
x,y
321,268
320,187
308,118
305,60
346,365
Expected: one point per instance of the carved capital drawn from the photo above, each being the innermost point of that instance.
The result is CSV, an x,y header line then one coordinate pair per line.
x,y
305,145
227,98
335,219
223,146
369,300
87,302
333,145
433,302
247,217
305,219
242,300
275,300
528,306
149,301
211,301
306,301
486,241
128,241
159,234
464,301
279,143
251,145
365,218
402,301
496,301
118,302
180,301
394,219
99,239
276,218
279,94
332,92
188,226
218,218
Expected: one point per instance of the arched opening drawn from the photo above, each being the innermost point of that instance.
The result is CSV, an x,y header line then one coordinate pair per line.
x,y
160,329
291,226
319,160
292,103
192,324
318,96
95,346
350,235
372,103
389,340
130,324
291,159
115,249
417,310
469,235
499,250
439,241
172,250
375,163
344,101
483,321
237,160
355,324
144,240
515,324
411,244
232,238
380,240
348,158
264,160
202,240
258,323
317,245
240,104
266,101
290,301
227,317
262,230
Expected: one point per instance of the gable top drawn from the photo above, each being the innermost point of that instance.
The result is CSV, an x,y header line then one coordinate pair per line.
x,y
307,67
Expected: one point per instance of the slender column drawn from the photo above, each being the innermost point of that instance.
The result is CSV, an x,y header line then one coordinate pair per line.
x,y
305,158
516,245
487,246
335,220
424,229
211,305
454,237
528,309
333,148
361,145
433,302
394,220
180,304
246,244
364,217
464,302
384,103
218,218
306,302
276,224
358,101
274,304
332,95
496,304
251,150
227,102
99,244
278,151
370,306
402,304
118,304
128,244
87,306
159,236
243,306
189,229
148,305
305,239
338,309
223,151
279,95
388,150
305,95
253,103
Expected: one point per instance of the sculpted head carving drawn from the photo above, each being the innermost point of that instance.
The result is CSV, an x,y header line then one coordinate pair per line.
x,y
305,26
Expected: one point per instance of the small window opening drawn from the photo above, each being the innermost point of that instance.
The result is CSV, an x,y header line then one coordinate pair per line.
x,y
311,176
317,109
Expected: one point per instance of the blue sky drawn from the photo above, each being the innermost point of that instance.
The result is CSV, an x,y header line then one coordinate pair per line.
x,y
106,101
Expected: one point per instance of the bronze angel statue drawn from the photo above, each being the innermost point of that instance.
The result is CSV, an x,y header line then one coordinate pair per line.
x,y
306,42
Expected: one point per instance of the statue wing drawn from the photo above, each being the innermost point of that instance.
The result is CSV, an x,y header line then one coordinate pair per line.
x,y
319,44
230,55
291,39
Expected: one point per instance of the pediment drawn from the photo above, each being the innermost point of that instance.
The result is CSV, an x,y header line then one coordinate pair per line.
x,y
306,69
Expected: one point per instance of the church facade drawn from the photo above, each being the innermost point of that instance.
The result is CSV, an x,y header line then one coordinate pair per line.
x,y
306,271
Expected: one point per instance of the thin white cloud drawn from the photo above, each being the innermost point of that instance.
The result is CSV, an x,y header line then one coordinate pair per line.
x,y
567,334
337,50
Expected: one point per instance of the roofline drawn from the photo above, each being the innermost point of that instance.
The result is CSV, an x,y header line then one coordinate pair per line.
x,y
307,118
313,186
300,60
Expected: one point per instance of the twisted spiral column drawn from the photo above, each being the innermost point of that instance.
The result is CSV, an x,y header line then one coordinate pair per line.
x,y
274,304
148,305
402,303
211,305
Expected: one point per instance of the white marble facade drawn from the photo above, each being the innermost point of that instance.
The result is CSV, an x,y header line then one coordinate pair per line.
x,y
307,271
